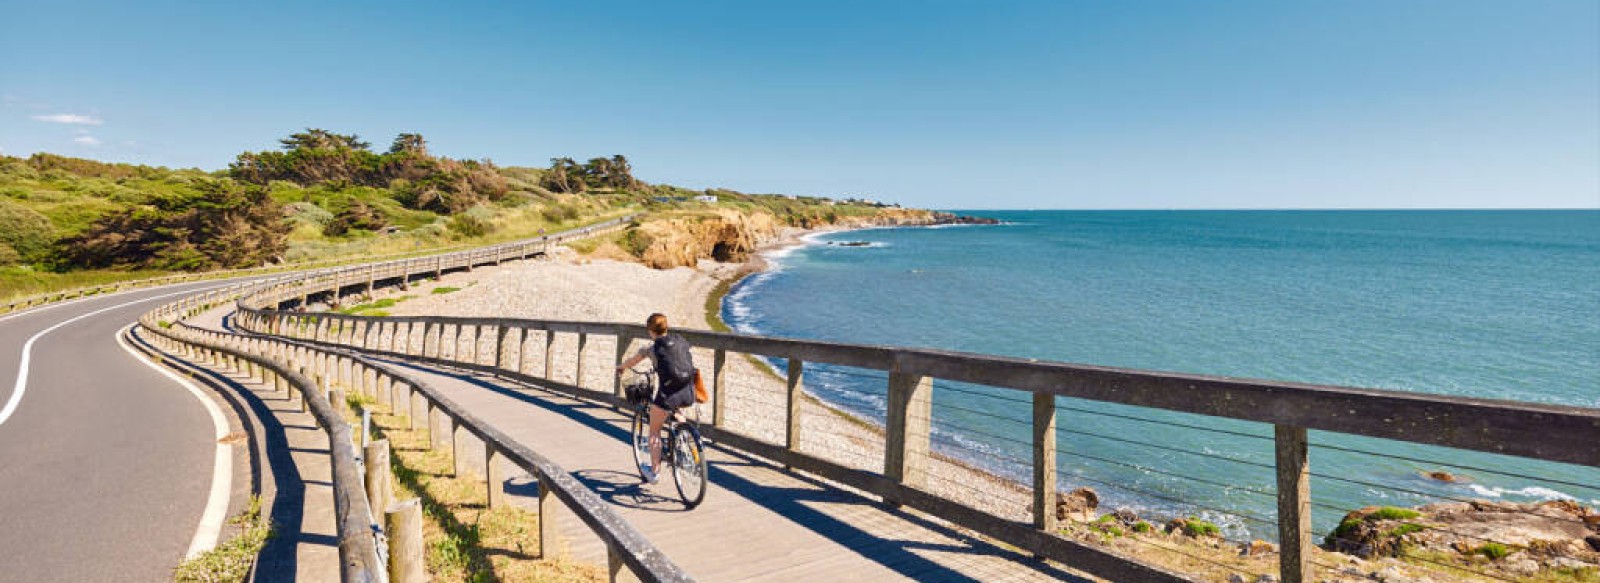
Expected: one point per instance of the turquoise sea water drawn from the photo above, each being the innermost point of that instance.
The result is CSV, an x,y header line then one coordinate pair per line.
x,y
1500,304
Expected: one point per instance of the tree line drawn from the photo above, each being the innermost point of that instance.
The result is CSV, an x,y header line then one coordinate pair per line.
x,y
193,220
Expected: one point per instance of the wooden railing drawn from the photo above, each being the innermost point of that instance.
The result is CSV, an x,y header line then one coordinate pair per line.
x,y
1543,432
539,244
359,554
310,372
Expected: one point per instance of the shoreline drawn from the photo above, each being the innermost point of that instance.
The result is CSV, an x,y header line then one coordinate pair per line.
x,y
574,287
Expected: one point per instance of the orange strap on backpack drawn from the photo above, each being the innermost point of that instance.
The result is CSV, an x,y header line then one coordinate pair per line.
x,y
700,395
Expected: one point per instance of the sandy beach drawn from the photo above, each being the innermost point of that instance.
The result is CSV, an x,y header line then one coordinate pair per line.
x,y
576,288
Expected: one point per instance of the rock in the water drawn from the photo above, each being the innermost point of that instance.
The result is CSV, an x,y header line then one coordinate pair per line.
x,y
1126,516
1445,477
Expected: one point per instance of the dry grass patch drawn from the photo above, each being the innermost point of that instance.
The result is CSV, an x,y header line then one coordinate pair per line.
x,y
465,540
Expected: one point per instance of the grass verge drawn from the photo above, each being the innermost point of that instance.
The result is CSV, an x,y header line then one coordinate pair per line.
x,y
464,539
231,560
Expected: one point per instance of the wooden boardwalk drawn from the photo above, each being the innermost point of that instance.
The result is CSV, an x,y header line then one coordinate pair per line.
x,y
758,522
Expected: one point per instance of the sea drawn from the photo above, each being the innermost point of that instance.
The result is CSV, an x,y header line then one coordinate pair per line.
x,y
1496,304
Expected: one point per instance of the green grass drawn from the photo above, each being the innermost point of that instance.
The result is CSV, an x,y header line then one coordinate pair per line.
x,y
22,281
374,309
1406,529
1142,527
1393,513
231,560
1197,528
445,289
1495,551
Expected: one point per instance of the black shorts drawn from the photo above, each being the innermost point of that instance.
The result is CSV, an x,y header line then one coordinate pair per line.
x,y
672,397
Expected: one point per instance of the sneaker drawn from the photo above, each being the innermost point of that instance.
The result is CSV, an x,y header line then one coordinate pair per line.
x,y
650,477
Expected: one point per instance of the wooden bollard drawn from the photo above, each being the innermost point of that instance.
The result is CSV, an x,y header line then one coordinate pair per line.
x,y
547,518
494,472
379,494
403,525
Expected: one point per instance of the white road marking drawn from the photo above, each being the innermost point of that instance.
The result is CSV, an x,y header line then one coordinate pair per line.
x,y
27,350
205,537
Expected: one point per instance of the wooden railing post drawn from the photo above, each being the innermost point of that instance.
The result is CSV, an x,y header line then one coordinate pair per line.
x,y
427,331
500,360
792,424
376,459
719,384
458,448
494,472
910,404
616,383
577,377
1294,503
547,517
403,526
522,350
549,358
1044,461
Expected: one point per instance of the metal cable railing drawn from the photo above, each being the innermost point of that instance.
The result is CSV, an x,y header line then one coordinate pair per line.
x,y
996,412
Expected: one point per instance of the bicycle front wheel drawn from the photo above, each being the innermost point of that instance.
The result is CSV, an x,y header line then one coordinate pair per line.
x,y
688,465
640,440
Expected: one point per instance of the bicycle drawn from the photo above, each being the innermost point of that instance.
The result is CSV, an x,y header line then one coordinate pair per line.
x,y
682,447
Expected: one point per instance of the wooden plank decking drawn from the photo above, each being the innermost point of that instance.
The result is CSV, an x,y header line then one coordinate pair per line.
x,y
758,522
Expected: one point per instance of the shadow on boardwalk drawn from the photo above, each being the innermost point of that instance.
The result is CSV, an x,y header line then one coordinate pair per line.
x,y
815,505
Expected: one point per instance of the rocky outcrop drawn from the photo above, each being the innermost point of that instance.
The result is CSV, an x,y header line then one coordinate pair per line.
x,y
1079,505
1515,539
730,235
723,235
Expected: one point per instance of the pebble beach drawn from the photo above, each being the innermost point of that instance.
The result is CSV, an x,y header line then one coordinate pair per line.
x,y
571,287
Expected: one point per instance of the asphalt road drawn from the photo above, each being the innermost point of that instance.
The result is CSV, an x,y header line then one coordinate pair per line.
x,y
105,463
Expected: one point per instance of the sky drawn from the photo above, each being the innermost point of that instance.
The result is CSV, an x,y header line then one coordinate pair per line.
x,y
1081,104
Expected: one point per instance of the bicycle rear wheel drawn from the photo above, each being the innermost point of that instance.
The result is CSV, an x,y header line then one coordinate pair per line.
x,y
688,465
640,440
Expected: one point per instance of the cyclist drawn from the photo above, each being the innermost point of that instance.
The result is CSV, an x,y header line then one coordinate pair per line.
x,y
675,371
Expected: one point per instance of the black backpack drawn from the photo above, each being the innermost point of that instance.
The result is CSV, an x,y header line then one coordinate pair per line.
x,y
673,361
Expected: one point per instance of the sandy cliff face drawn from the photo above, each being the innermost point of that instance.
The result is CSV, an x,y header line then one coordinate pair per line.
x,y
725,235
731,235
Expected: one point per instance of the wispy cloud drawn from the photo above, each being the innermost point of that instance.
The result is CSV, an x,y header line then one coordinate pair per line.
x,y
86,140
70,118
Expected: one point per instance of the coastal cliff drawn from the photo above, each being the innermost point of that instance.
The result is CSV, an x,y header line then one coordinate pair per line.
x,y
665,241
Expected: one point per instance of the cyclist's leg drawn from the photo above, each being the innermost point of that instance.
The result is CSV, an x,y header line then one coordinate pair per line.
x,y
658,417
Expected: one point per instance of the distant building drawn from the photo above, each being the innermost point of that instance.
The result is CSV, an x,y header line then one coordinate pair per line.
x,y
707,198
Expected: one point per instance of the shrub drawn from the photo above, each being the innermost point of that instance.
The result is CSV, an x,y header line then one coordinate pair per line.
x,y
1142,527
25,231
559,213
1495,551
470,226
1197,528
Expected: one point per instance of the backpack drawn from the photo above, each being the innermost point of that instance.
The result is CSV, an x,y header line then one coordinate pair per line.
x,y
673,361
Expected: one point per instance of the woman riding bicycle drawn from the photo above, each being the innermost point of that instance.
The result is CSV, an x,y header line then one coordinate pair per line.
x,y
675,369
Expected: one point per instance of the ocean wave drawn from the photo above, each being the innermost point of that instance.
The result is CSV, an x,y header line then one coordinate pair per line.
x,y
1537,492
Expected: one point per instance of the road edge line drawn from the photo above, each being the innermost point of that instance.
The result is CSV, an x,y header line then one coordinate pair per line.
x,y
216,512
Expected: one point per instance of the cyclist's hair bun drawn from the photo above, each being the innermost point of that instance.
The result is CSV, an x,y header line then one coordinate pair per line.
x,y
656,323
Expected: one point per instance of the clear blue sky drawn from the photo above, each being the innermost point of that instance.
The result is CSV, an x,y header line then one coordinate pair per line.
x,y
1083,104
